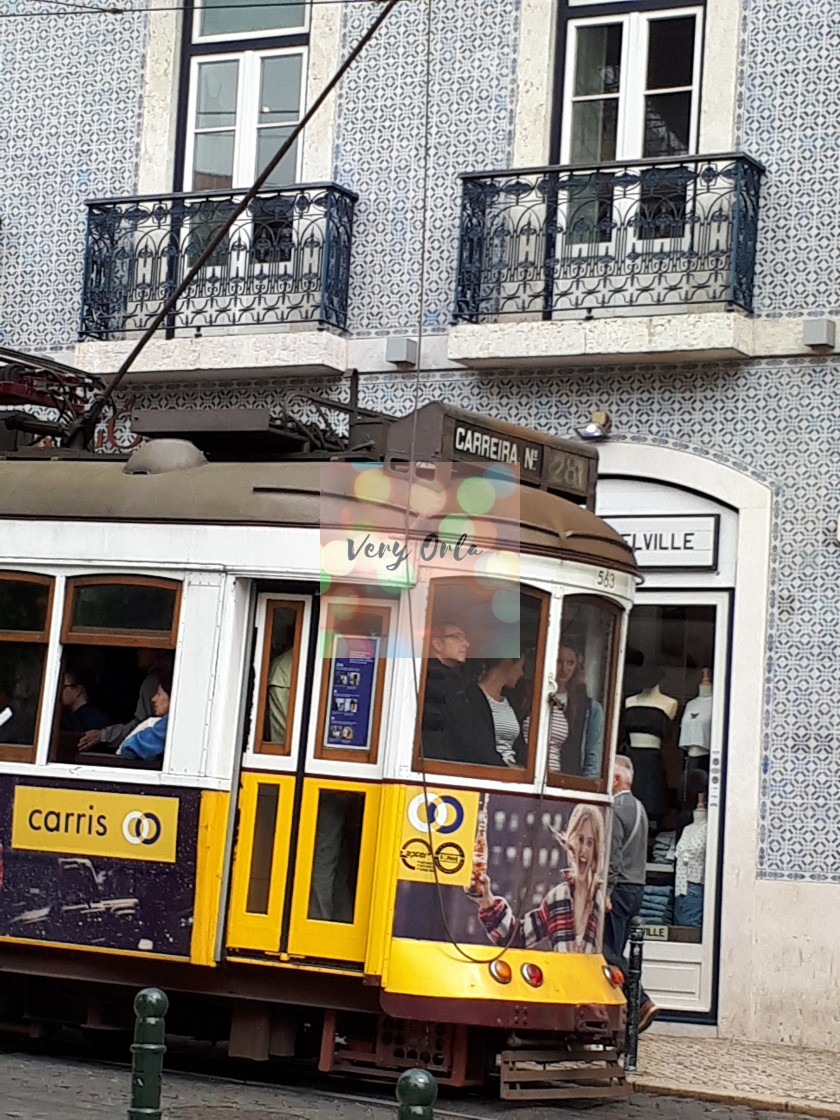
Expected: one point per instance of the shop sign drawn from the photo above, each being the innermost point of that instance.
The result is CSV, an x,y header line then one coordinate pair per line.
x,y
671,541
88,823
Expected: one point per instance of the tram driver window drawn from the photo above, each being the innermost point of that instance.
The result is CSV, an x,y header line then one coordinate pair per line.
x,y
480,697
584,675
115,684
25,606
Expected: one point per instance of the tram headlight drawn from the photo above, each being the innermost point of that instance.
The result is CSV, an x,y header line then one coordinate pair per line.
x,y
532,974
500,970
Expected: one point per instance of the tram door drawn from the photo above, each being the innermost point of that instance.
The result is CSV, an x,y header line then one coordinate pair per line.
x,y
308,807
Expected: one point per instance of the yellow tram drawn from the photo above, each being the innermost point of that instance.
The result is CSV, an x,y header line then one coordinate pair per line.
x,y
378,829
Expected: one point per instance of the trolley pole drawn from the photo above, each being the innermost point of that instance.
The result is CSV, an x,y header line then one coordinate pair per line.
x,y
416,1092
147,1052
634,985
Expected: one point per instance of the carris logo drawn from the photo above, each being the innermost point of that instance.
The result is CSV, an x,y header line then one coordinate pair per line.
x,y
440,812
141,828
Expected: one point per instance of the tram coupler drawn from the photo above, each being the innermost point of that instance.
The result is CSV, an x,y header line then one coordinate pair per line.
x,y
147,1050
634,987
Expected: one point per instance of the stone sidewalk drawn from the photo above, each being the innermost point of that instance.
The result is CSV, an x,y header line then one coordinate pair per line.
x,y
781,1078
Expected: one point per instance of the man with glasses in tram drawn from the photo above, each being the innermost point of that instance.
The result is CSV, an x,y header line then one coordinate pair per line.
x,y
448,728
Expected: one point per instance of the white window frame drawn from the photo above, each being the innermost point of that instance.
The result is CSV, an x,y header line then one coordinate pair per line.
x,y
237,36
631,96
247,109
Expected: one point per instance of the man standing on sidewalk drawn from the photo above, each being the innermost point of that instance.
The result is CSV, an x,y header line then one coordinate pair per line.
x,y
626,880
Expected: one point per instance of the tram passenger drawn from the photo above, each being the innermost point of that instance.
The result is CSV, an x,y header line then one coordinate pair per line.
x,y
149,739
448,727
569,916
279,685
78,714
576,725
150,661
498,741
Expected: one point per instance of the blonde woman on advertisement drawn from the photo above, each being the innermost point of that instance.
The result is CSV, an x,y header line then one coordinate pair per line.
x,y
570,915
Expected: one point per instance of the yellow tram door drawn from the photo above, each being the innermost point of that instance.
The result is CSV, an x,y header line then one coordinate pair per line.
x,y
306,836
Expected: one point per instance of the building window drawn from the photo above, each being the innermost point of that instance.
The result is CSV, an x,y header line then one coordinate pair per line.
x,y
25,609
227,19
631,86
243,106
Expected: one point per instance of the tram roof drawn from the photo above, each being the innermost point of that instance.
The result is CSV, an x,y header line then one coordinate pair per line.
x,y
271,494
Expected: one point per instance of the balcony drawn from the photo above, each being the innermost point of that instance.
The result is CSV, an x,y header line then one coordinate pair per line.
x,y
607,261
282,271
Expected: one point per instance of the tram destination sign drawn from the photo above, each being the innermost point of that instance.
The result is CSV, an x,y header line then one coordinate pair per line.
x,y
687,542
439,433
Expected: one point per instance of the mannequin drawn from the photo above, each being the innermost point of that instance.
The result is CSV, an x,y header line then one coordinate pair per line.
x,y
648,718
696,725
691,869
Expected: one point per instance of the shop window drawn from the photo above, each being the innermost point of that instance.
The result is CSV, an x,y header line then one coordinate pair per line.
x,y
480,692
25,609
582,703
281,659
667,733
115,682
354,641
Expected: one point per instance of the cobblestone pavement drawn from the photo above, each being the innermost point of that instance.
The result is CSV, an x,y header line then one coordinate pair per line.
x,y
35,1087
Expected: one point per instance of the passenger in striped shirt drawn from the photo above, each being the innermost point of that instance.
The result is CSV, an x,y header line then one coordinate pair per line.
x,y
571,914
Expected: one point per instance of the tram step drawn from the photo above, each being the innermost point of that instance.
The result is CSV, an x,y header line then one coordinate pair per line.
x,y
561,1075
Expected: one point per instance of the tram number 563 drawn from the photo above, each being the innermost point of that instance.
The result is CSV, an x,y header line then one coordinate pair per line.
x,y
606,579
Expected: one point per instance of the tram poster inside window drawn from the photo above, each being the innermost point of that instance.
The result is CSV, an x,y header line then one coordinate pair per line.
x,y
352,682
112,869
502,869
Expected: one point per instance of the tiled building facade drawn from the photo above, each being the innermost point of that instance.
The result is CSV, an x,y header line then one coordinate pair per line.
x,y
399,134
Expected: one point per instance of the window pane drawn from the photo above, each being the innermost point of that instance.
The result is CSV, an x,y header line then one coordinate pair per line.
x,y
280,89
123,606
21,673
594,130
598,61
216,100
281,668
268,141
671,53
262,852
478,709
583,672
23,605
335,861
667,124
220,17
213,161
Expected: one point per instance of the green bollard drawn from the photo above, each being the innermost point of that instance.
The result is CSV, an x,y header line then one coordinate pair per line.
x,y
416,1092
147,1052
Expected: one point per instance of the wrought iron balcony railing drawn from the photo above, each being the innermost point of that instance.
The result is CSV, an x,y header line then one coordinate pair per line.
x,y
286,260
561,242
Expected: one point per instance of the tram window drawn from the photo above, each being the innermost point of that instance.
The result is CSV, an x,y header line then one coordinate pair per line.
x,y
335,858
353,680
262,855
101,606
478,708
581,706
25,607
115,682
279,670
